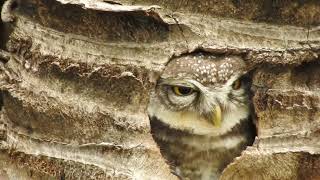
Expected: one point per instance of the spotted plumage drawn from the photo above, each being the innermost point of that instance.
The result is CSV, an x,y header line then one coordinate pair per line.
x,y
200,114
209,70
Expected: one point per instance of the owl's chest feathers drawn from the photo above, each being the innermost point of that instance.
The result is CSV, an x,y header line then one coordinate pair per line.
x,y
232,139
200,156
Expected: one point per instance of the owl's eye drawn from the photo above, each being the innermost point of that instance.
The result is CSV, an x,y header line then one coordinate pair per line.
x,y
236,85
182,91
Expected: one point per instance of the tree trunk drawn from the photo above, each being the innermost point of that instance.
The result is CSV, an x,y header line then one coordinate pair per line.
x,y
76,77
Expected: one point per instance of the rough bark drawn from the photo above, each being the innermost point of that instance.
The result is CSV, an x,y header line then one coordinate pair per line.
x,y
76,75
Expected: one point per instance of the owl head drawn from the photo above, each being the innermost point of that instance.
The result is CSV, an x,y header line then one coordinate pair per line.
x,y
202,94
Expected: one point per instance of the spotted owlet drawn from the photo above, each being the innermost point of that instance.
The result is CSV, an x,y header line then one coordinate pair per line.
x,y
200,114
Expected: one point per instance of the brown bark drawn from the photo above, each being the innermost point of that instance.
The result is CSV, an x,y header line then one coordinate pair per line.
x,y
75,80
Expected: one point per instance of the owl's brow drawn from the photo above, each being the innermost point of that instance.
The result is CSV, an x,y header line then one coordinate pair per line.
x,y
176,82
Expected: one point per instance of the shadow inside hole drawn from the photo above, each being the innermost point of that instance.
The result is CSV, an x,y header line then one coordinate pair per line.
x,y
1,100
6,28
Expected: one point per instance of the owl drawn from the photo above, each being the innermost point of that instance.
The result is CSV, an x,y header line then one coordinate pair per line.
x,y
200,114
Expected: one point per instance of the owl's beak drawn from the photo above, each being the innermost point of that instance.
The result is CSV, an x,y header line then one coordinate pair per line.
x,y
217,116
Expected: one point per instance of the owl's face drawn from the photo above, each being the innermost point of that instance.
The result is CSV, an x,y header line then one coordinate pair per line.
x,y
204,95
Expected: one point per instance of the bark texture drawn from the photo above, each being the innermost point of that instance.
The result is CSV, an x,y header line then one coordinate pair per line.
x,y
76,76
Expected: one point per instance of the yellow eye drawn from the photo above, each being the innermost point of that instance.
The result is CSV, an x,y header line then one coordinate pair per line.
x,y
182,91
236,85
